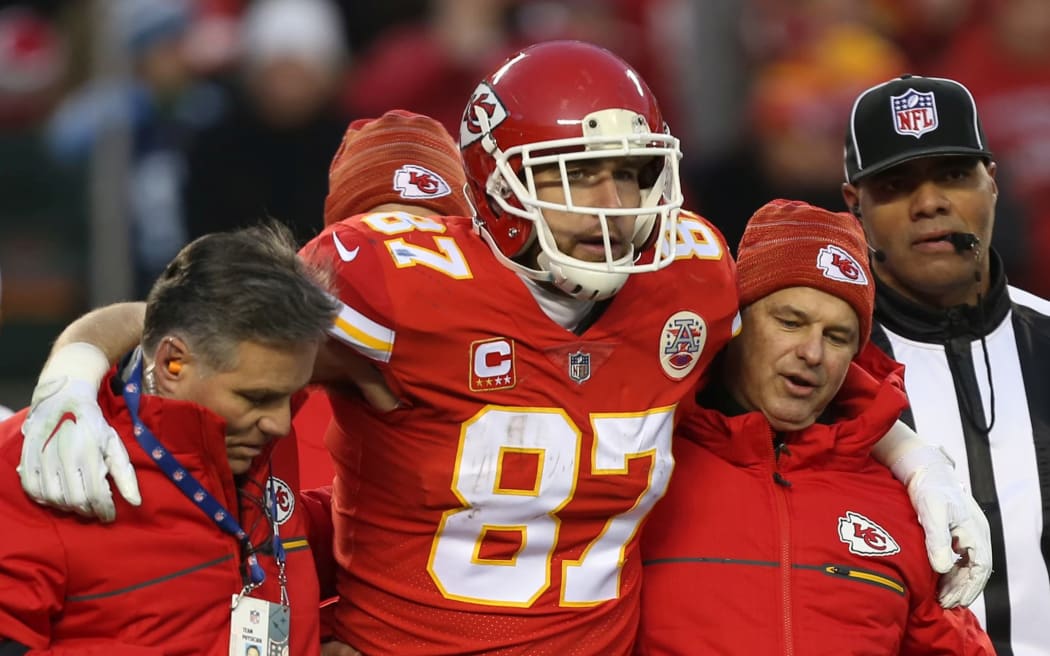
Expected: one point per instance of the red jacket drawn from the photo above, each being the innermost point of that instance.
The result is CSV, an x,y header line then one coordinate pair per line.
x,y
813,551
159,579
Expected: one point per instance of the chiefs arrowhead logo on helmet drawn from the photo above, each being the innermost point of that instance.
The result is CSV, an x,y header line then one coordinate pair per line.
x,y
483,99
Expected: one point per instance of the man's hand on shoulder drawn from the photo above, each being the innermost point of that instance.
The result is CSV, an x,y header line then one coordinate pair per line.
x,y
69,448
958,540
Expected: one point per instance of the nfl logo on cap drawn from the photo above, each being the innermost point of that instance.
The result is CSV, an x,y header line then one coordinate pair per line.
x,y
914,113
908,118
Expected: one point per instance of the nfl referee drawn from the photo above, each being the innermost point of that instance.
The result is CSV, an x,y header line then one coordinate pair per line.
x,y
921,179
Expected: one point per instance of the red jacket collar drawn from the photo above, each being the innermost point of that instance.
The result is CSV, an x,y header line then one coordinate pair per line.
x,y
869,402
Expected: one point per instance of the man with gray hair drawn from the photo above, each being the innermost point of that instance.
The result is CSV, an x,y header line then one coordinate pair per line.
x,y
232,327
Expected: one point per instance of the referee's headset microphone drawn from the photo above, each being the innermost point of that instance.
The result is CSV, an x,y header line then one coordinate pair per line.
x,y
962,242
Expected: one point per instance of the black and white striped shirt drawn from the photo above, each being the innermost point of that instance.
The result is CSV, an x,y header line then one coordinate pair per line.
x,y
951,390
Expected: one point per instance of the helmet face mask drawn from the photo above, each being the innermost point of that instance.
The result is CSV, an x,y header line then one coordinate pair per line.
x,y
505,146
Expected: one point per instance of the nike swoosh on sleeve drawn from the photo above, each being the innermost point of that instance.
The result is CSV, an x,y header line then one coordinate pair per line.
x,y
345,254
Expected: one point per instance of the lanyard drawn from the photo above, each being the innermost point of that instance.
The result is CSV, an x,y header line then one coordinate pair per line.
x,y
196,493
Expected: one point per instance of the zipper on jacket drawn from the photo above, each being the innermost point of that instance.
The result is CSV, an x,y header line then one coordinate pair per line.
x,y
780,448
865,576
780,487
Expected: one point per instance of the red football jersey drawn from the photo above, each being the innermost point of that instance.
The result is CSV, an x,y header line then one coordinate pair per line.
x,y
310,422
497,510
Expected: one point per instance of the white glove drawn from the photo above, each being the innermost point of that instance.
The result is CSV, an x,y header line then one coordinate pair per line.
x,y
68,447
958,540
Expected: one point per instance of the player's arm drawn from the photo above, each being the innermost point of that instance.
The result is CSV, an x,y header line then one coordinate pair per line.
x,y
958,541
114,329
362,337
69,447
337,365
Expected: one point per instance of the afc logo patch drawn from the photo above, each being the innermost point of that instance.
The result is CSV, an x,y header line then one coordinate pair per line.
x,y
865,537
492,365
681,343
413,181
839,265
280,500
914,113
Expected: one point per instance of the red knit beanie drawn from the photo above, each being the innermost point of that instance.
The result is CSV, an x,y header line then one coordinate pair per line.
x,y
399,157
794,244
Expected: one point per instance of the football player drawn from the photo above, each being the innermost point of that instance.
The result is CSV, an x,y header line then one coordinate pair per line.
x,y
517,380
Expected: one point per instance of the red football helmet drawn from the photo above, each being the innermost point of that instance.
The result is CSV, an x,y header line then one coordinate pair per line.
x,y
552,104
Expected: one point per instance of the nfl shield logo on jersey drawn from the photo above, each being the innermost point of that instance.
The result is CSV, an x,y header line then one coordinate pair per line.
x,y
914,113
579,366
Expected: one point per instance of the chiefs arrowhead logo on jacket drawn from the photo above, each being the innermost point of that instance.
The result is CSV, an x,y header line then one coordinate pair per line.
x,y
865,537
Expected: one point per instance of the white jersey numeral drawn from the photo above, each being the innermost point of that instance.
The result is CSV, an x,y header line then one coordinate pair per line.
x,y
696,239
447,259
397,223
524,515
618,440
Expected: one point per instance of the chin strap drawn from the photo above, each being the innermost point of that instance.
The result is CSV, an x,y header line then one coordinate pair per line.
x,y
580,283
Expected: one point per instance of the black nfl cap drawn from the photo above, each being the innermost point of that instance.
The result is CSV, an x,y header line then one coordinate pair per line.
x,y
911,117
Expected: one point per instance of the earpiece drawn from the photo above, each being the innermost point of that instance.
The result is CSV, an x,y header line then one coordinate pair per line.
x,y
174,366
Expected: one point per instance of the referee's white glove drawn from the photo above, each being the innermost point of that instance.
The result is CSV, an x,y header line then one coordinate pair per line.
x,y
958,540
69,447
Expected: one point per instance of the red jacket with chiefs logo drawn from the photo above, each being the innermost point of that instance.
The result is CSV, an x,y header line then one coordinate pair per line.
x,y
811,548
159,579
496,511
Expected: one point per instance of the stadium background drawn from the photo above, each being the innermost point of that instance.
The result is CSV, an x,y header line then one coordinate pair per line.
x,y
130,126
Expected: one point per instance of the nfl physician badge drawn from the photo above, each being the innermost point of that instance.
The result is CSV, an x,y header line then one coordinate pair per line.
x,y
681,343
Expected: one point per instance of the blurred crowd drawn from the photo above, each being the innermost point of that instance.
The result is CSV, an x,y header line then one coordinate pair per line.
x,y
128,127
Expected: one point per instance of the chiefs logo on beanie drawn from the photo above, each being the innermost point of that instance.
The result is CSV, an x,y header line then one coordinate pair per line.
x,y
399,157
794,244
